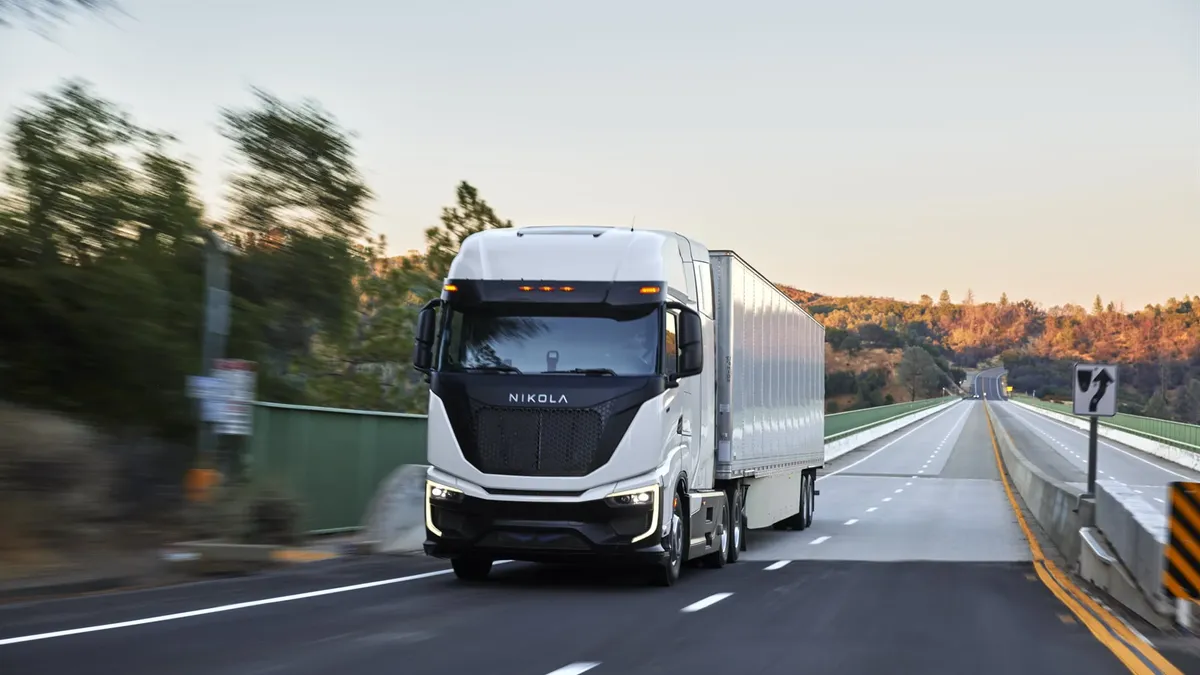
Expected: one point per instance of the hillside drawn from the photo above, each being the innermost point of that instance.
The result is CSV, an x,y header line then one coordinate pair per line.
x,y
1158,345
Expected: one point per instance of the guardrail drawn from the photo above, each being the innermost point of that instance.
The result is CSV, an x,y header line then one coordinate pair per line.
x,y
1186,436
334,459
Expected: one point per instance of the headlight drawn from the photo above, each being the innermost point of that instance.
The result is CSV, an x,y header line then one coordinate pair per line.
x,y
643,497
637,497
442,493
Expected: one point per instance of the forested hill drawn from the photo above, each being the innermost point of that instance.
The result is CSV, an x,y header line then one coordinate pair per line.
x,y
1158,345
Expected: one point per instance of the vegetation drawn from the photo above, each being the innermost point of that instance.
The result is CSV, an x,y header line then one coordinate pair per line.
x,y
1157,346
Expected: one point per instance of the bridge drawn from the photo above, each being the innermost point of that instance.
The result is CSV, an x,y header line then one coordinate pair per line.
x,y
948,538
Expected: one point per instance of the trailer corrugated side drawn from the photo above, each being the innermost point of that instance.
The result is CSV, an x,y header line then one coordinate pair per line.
x,y
770,376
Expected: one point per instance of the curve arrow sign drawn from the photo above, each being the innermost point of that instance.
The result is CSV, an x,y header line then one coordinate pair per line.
x,y
1103,379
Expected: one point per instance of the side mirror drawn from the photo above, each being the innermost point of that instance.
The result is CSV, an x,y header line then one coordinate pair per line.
x,y
690,340
426,333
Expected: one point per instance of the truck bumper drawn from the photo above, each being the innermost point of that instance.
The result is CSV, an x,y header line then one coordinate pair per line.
x,y
543,531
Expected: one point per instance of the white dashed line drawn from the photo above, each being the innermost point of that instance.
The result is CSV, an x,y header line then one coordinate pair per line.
x,y
1159,500
852,521
818,540
871,508
908,483
921,471
899,490
777,565
887,499
575,668
887,445
707,602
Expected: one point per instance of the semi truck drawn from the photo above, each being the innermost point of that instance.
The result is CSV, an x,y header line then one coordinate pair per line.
x,y
614,395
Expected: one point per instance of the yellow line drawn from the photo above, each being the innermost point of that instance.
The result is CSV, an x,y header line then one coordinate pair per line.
x,y
1071,595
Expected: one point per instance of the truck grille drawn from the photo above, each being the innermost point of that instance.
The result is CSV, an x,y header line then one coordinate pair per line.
x,y
538,441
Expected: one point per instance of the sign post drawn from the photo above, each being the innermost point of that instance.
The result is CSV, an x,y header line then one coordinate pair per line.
x,y
1095,395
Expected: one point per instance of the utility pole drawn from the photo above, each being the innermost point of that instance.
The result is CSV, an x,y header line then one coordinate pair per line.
x,y
215,333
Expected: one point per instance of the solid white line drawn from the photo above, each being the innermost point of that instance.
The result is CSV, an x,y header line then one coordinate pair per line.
x,y
223,608
777,565
709,601
888,444
818,540
872,508
852,521
576,668
1100,441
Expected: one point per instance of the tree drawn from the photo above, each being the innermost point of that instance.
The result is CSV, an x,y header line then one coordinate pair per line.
x,y
46,11
918,372
944,298
926,301
970,299
1004,299
471,214
1097,306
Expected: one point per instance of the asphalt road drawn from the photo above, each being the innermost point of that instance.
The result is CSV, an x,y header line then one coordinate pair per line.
x,y
1062,451
914,564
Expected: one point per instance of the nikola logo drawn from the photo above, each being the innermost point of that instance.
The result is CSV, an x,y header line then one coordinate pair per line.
x,y
537,398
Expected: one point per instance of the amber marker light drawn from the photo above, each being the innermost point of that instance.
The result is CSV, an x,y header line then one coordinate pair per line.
x,y
649,290
450,287
525,288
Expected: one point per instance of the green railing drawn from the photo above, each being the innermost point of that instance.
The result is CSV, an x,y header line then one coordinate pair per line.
x,y
333,460
1186,436
843,424
330,459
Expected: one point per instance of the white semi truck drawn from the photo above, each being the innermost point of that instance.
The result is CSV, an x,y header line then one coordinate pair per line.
x,y
614,394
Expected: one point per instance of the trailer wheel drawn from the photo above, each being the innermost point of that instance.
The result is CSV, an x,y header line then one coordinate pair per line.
x,y
469,568
812,498
667,572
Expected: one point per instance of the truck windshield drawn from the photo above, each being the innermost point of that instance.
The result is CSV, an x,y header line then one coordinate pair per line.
x,y
583,345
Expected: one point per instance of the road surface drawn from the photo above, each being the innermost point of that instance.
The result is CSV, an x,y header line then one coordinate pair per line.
x,y
1062,451
915,563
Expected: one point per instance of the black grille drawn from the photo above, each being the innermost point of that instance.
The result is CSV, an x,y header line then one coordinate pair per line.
x,y
538,441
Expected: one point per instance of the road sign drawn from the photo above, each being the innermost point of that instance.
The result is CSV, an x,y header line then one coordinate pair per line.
x,y
237,380
1095,388
1181,573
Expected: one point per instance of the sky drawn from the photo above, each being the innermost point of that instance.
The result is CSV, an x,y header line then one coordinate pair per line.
x,y
1049,150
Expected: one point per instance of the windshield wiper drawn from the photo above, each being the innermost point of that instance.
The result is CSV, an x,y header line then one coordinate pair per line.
x,y
583,371
497,368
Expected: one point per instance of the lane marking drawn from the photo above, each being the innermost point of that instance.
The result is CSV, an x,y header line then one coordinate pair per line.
x,y
706,602
1108,629
575,668
1105,443
921,471
887,499
227,608
870,509
818,540
908,483
899,490
889,443
852,521
777,565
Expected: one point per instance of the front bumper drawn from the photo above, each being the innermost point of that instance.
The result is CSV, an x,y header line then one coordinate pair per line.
x,y
458,524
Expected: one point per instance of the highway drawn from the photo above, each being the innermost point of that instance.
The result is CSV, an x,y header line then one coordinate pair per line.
x,y
915,563
1062,451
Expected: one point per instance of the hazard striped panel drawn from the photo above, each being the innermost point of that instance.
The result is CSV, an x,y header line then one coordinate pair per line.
x,y
1181,576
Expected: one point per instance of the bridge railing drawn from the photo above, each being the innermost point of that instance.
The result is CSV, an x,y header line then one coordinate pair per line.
x,y
1186,436
334,459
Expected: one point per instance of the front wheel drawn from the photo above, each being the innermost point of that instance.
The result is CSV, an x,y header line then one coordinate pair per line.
x,y
667,572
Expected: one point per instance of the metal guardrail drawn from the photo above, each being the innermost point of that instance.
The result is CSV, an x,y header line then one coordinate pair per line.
x,y
332,460
1186,436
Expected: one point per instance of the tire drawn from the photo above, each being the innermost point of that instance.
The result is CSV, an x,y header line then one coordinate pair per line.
x,y
667,572
717,559
471,568
737,537
812,498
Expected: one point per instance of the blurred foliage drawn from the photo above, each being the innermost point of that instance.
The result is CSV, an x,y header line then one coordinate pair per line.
x,y
41,13
102,254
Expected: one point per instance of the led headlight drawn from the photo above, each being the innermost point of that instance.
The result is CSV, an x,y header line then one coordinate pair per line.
x,y
438,493
644,497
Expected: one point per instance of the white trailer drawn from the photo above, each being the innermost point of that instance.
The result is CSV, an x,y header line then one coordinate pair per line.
x,y
614,393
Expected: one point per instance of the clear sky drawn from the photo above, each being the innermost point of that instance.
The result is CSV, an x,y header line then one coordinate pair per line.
x,y
1046,149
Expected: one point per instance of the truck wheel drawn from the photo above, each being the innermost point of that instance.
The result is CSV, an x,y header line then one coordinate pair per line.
x,y
471,568
802,519
737,536
812,498
667,573
718,558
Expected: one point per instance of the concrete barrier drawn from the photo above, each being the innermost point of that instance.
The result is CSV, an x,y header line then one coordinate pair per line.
x,y
1171,453
845,444
395,519
1057,506
1137,533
